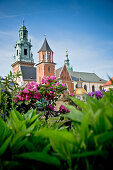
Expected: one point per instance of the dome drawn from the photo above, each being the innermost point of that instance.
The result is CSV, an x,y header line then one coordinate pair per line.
x,y
79,91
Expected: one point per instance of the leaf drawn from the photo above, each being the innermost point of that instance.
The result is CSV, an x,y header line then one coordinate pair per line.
x,y
90,153
79,103
28,115
84,129
40,156
74,115
18,136
101,122
5,145
3,130
19,116
104,137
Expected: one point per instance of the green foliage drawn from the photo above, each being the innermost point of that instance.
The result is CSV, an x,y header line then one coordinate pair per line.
x,y
28,141
8,87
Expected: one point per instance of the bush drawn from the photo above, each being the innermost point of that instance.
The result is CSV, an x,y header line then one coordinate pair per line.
x,y
27,141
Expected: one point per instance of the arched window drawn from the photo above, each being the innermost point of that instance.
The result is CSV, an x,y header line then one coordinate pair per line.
x,y
43,57
49,69
93,88
85,87
49,58
17,52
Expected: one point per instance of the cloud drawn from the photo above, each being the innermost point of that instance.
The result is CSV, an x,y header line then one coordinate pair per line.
x,y
9,16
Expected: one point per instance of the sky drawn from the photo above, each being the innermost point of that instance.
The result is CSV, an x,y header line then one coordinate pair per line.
x,y
84,27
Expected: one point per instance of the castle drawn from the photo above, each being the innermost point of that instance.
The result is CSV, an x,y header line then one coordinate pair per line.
x,y
24,62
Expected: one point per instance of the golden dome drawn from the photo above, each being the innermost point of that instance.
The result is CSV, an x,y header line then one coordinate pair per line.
x,y
79,91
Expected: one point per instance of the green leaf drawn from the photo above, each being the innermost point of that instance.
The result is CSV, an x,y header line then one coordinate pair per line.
x,y
101,122
84,132
74,115
40,156
5,145
79,103
90,153
28,115
104,137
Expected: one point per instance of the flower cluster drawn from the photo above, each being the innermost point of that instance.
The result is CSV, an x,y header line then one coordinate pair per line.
x,y
47,92
98,94
30,92
63,109
47,80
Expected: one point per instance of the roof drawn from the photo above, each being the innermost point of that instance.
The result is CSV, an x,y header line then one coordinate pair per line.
x,y
84,76
29,73
108,82
45,46
87,77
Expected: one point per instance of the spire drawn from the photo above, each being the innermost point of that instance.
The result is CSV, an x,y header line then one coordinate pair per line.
x,y
23,21
79,83
45,47
67,63
66,52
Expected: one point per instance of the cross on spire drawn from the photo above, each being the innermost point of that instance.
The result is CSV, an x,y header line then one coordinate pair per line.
x,y
23,21
45,35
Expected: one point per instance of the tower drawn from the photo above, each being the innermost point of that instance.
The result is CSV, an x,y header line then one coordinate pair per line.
x,y
24,56
45,66
67,63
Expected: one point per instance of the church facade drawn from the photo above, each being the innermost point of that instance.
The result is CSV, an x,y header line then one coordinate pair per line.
x,y
23,61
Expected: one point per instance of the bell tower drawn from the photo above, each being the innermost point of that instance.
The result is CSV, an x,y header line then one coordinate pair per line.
x,y
23,56
45,66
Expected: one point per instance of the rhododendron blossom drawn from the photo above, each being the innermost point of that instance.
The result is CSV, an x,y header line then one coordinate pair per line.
x,y
52,108
63,109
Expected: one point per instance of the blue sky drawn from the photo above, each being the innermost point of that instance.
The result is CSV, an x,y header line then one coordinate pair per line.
x,y
84,27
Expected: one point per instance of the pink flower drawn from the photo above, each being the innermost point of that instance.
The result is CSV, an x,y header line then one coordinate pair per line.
x,y
37,96
71,94
25,91
63,85
57,83
27,97
33,86
63,109
52,108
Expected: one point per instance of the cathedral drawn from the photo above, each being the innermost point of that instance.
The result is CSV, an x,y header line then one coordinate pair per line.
x,y
23,61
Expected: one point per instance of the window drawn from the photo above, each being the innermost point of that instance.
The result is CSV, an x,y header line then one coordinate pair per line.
x,y
25,51
49,69
39,69
49,58
17,52
24,34
93,88
76,85
85,87
43,57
